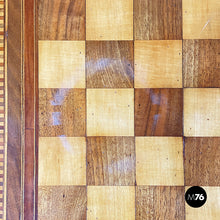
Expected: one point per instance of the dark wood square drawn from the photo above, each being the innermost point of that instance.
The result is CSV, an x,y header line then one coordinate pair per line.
x,y
62,202
110,64
202,161
158,112
111,161
158,19
62,112
159,202
61,20
201,63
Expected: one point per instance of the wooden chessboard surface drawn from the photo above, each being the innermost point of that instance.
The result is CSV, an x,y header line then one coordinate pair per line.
x,y
129,108
127,97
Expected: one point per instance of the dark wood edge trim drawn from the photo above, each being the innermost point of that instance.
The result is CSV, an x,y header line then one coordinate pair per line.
x,y
36,109
14,120
31,110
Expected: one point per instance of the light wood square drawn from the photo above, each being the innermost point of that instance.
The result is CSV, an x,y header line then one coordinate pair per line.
x,y
110,202
201,19
159,161
158,64
109,20
210,210
110,112
62,161
61,64
202,112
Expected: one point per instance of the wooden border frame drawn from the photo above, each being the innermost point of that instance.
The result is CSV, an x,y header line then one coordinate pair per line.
x,y
14,99
31,110
22,100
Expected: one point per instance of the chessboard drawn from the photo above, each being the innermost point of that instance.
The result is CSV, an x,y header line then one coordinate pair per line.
x,y
128,109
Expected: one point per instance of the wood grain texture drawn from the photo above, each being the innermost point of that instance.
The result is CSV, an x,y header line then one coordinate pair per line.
x,y
110,161
159,202
158,112
159,161
29,201
110,112
14,71
62,161
158,64
61,20
111,202
62,202
201,60
109,20
30,75
61,64
201,19
36,130
110,64
202,112
62,112
29,64
202,162
158,19
210,210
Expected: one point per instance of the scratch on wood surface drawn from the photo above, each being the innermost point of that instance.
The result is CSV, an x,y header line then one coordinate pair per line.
x,y
205,26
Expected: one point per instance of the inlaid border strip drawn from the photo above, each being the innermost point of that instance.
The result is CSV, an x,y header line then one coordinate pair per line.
x,y
22,113
30,110
2,109
14,101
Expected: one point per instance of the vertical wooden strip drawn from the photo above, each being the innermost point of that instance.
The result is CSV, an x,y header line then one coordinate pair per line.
x,y
5,20
30,105
36,110
29,201
14,54
29,65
